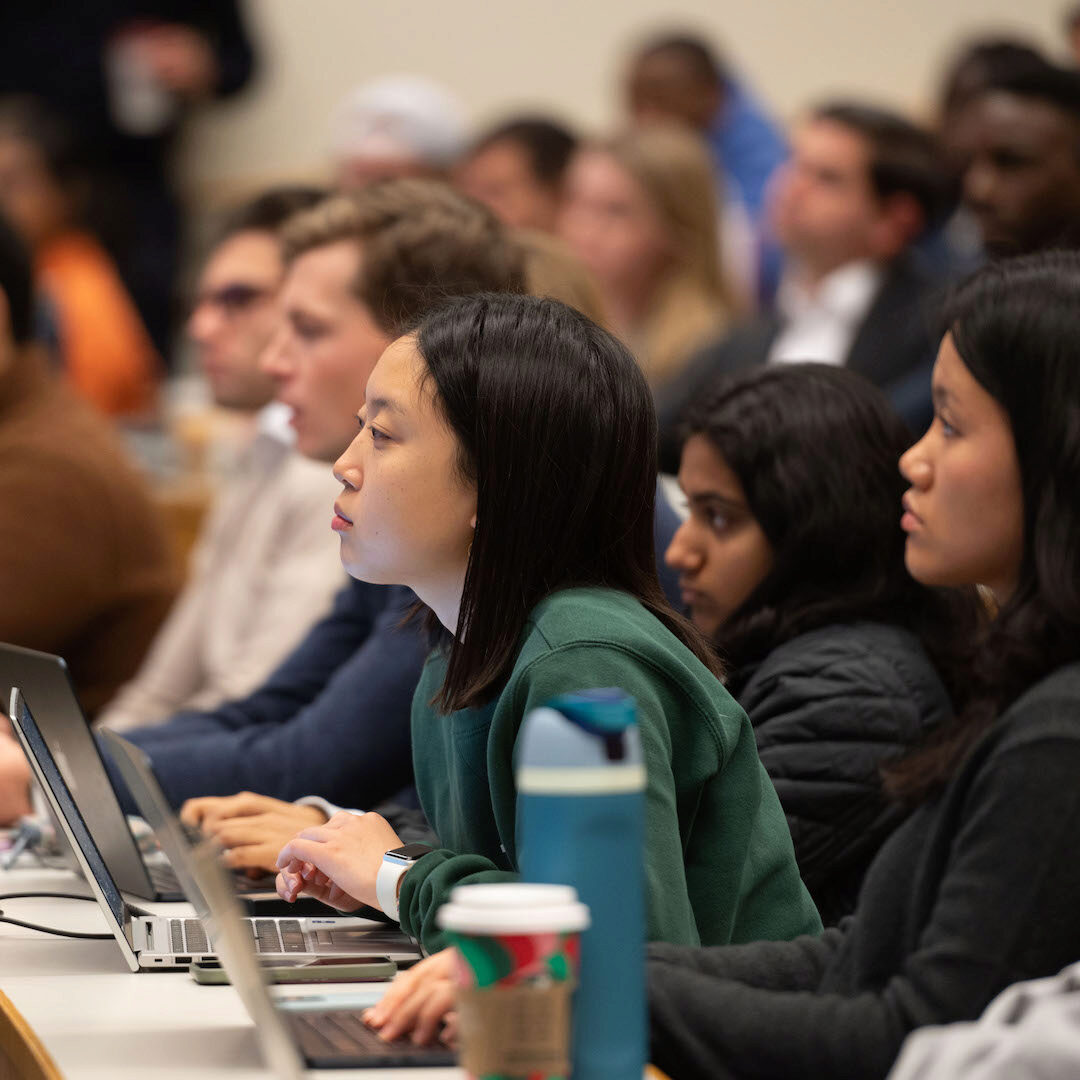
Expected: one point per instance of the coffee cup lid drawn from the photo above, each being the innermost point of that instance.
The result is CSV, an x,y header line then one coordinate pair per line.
x,y
513,908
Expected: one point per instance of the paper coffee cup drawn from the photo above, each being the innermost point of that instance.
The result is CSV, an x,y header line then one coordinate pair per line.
x,y
518,955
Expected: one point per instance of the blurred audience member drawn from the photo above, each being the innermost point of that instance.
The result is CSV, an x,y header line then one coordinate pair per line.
x,y
861,187
123,73
792,561
101,342
1072,32
678,77
552,269
266,564
85,566
640,213
1023,179
957,248
395,127
516,169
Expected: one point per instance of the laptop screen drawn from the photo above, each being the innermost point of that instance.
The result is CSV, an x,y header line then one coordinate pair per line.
x,y
46,687
66,808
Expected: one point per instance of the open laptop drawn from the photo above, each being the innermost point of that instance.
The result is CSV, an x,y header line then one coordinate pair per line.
x,y
165,942
176,842
47,688
321,1038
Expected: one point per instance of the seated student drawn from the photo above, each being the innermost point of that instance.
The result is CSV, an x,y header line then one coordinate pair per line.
x,y
861,188
395,127
247,603
639,211
357,268
350,682
678,77
980,886
543,581
103,347
517,168
1022,181
85,565
792,561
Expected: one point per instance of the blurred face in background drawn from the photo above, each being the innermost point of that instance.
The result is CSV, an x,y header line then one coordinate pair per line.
x,y
662,86
501,176
234,317
325,348
610,223
720,551
30,197
1022,181
825,211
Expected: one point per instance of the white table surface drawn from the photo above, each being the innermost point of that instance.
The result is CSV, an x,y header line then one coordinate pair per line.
x,y
101,1022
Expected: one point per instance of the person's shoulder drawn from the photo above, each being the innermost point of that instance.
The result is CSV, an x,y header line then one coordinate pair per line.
x,y
591,616
1047,710
608,631
860,659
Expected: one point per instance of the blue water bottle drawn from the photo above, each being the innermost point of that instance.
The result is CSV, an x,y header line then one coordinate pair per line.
x,y
581,822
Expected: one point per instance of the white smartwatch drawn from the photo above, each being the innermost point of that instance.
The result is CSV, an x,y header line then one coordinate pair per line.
x,y
395,865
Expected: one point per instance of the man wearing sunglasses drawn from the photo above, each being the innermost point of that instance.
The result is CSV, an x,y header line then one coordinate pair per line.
x,y
246,603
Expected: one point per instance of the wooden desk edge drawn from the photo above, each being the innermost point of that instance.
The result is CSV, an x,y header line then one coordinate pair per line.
x,y
22,1054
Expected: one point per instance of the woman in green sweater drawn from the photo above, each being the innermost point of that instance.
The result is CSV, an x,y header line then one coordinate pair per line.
x,y
505,471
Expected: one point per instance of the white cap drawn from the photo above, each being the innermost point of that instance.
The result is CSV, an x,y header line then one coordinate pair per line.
x,y
518,908
399,116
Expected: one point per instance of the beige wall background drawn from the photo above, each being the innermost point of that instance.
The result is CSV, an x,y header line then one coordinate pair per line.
x,y
565,56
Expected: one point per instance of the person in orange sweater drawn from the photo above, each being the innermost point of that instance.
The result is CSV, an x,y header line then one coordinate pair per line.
x,y
86,570
103,347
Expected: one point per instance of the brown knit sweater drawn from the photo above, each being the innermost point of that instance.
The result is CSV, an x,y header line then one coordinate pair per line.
x,y
86,570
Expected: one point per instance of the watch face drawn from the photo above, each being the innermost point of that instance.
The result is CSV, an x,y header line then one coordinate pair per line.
x,y
410,851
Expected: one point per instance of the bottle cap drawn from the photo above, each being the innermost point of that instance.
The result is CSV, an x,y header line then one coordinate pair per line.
x,y
605,711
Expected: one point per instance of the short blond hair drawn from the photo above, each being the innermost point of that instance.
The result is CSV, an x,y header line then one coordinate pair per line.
x,y
420,242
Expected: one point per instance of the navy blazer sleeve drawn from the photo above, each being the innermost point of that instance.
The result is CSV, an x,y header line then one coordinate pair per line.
x,y
332,720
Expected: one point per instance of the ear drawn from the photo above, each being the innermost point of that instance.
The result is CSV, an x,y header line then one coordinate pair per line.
x,y
899,223
472,522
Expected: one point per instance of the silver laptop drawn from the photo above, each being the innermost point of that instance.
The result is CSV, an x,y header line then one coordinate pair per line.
x,y
150,941
291,1038
46,687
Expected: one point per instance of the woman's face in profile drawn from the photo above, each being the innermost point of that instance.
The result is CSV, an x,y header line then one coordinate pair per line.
x,y
720,550
406,516
964,511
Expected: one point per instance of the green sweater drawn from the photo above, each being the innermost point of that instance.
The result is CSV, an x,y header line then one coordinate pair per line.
x,y
719,864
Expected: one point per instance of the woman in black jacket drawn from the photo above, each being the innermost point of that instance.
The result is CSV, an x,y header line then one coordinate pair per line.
x,y
792,559
980,886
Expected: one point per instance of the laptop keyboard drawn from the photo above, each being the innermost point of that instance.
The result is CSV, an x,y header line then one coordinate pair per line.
x,y
269,936
344,1035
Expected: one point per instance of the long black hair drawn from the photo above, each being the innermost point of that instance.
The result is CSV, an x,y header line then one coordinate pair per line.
x,y
556,429
814,449
1016,326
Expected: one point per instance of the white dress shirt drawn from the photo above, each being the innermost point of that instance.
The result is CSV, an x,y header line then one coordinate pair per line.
x,y
821,323
266,566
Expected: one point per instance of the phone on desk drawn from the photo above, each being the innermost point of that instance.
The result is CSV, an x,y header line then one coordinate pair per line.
x,y
329,969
